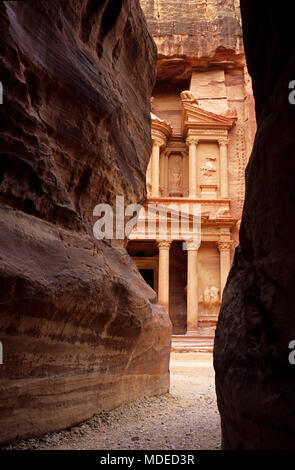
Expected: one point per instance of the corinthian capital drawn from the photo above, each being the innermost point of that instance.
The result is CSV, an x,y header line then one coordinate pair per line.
x,y
192,245
224,245
163,244
192,140
158,141
223,141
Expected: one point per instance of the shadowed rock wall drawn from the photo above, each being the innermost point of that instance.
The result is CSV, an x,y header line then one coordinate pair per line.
x,y
254,381
80,329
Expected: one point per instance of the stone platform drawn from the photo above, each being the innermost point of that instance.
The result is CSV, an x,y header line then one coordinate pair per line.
x,y
192,342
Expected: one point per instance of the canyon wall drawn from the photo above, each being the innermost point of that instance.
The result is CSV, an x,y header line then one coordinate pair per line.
x,y
80,329
255,381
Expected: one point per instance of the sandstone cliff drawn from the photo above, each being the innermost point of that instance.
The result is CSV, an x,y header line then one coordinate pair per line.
x,y
196,33
255,381
80,329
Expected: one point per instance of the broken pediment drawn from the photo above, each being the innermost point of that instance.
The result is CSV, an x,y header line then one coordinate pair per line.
x,y
194,117
160,125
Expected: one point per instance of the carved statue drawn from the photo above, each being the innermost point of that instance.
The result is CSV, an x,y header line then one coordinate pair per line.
x,y
223,212
175,174
189,96
211,296
209,168
176,179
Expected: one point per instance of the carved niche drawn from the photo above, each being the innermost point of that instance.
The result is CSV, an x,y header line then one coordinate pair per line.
x,y
175,174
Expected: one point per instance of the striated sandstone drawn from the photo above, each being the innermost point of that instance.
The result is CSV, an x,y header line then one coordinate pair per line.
x,y
255,382
193,34
81,331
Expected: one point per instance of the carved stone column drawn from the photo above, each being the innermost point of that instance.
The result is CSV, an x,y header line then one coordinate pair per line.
x,y
192,143
192,286
157,143
166,173
223,167
224,250
184,174
163,282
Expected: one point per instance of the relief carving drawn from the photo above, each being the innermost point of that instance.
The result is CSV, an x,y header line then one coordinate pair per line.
x,y
211,296
209,168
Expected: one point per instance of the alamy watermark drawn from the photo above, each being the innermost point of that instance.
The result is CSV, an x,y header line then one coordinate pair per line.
x,y
176,221
291,356
292,93
1,352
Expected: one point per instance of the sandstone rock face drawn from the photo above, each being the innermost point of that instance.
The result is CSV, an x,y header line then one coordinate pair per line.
x,y
80,329
191,34
254,380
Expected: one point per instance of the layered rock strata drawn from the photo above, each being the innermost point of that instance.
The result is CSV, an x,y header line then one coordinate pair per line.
x,y
80,329
193,34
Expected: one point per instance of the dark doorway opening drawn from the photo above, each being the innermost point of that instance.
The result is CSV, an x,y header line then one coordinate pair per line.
x,y
148,276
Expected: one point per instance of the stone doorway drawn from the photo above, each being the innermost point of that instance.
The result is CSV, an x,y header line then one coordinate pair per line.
x,y
148,276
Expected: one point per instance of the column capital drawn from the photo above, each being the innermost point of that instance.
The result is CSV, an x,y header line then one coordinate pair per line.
x,y
192,140
163,244
224,245
223,141
158,141
192,245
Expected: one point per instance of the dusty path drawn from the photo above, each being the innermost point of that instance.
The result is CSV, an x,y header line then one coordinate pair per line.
x,y
187,418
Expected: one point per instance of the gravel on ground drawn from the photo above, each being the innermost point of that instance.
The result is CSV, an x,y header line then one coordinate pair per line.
x,y
185,419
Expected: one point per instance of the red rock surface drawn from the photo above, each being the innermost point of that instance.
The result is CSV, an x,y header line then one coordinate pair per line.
x,y
255,382
80,329
194,34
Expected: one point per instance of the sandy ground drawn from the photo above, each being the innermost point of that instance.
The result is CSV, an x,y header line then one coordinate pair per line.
x,y
187,418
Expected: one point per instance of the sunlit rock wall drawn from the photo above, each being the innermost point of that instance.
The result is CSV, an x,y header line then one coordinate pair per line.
x,y
194,33
80,329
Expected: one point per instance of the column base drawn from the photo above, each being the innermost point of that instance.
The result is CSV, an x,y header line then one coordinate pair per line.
x,y
191,332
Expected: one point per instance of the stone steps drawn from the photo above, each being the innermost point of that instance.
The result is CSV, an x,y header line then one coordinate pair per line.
x,y
192,343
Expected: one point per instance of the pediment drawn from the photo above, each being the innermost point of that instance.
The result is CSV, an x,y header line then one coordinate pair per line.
x,y
161,125
194,117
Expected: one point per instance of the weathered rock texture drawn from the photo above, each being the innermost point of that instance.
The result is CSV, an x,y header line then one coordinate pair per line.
x,y
254,380
195,33
80,329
